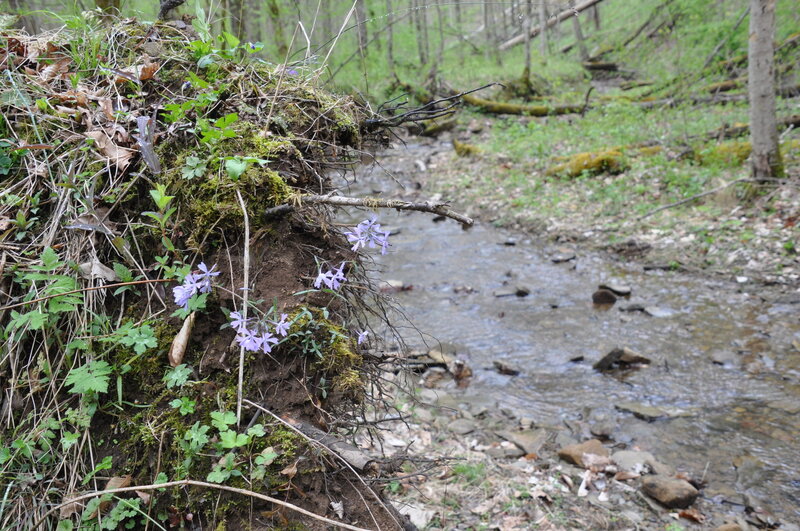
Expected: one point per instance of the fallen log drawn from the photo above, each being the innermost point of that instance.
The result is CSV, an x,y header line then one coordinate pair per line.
x,y
604,66
558,19
499,107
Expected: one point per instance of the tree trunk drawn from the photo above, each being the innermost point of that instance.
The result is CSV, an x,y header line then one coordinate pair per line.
x,y
558,19
527,30
543,34
576,26
596,17
390,38
277,28
421,45
361,25
766,158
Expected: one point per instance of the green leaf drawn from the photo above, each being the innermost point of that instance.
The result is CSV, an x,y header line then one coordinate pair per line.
x,y
231,439
92,377
196,436
140,338
68,439
49,260
123,273
177,376
266,457
222,419
256,431
235,167
105,464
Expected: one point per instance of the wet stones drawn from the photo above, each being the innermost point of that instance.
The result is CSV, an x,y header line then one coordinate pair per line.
x,y
461,426
620,290
504,368
573,453
638,462
642,411
670,492
604,296
563,254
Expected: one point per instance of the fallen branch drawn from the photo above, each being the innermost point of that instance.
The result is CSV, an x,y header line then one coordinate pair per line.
x,y
434,207
692,198
558,19
193,483
499,107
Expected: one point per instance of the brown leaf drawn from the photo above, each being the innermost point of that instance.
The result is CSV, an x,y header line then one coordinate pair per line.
x,y
144,496
120,156
107,107
148,70
178,348
693,515
290,471
70,507
56,69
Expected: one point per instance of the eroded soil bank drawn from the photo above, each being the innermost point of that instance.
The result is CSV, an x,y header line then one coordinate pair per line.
x,y
717,403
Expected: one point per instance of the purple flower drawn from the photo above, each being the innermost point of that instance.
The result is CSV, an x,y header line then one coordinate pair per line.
x,y
292,72
238,322
267,340
182,294
282,327
249,339
368,233
203,279
362,336
332,278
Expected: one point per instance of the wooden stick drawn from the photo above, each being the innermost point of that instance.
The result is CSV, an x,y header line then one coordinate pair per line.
x,y
191,482
434,207
692,198
246,279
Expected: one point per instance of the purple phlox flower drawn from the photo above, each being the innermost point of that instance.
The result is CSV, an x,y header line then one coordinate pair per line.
x,y
368,233
249,340
238,323
252,46
332,278
203,279
323,277
292,72
267,340
182,294
362,336
282,326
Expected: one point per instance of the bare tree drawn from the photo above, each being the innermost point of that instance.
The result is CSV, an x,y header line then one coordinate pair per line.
x,y
543,25
766,157
361,23
390,38
576,26
277,28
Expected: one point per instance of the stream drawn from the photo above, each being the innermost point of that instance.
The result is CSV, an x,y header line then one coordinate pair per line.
x,y
724,372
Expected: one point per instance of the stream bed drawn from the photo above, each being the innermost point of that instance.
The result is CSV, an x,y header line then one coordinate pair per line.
x,y
724,377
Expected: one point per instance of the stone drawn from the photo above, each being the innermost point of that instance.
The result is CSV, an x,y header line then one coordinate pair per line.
x,y
419,517
729,527
632,308
670,492
604,296
723,357
657,311
617,289
461,426
563,254
504,368
642,411
531,441
574,453
505,449
639,462
622,359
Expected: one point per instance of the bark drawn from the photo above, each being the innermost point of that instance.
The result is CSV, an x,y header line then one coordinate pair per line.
x,y
361,24
576,26
277,28
765,158
596,17
417,17
390,39
543,32
527,30
558,19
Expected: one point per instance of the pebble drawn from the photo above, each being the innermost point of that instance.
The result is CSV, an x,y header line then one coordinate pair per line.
x,y
604,296
529,440
461,426
620,358
657,311
504,368
563,254
639,462
618,289
670,492
642,411
574,453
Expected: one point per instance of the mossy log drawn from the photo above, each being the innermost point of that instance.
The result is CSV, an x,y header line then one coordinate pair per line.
x,y
724,86
592,163
603,66
499,107
463,149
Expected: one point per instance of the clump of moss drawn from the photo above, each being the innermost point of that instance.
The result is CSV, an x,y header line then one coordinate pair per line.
x,y
732,153
592,163
465,150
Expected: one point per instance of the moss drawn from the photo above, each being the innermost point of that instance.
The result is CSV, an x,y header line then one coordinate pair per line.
x,y
732,153
465,150
593,163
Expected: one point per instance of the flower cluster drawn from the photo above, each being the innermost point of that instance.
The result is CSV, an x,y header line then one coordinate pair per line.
x,y
193,284
256,336
369,233
332,278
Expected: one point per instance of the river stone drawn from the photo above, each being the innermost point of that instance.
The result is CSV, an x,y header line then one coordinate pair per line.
x,y
670,492
618,289
603,296
729,527
642,411
574,452
620,358
504,368
504,449
723,357
563,254
633,461
529,440
657,311
635,307
461,426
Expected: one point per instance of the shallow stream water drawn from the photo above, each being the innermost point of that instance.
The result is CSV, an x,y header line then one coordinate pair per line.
x,y
747,409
